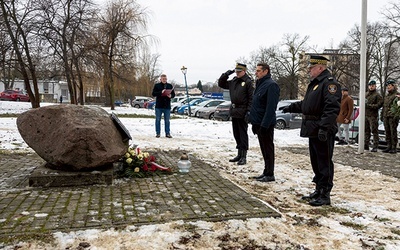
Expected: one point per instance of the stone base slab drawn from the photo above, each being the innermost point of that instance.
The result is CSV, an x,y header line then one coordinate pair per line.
x,y
43,176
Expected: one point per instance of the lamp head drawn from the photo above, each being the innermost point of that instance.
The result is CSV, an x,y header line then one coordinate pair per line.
x,y
184,69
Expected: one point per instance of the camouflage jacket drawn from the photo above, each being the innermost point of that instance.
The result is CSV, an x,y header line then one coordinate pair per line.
x,y
387,104
373,103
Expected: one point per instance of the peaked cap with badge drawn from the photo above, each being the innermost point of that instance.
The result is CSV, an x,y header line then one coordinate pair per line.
x,y
240,67
315,59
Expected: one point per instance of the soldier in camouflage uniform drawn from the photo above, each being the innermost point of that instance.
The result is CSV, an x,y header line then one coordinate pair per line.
x,y
373,102
389,120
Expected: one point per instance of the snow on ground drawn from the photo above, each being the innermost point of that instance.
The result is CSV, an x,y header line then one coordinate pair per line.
x,y
364,212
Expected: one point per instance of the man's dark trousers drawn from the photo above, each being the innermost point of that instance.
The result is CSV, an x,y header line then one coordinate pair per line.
x,y
321,153
239,127
266,140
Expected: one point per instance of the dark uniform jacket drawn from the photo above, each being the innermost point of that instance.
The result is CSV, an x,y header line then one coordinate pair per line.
x,y
387,104
241,92
265,100
162,102
320,106
373,103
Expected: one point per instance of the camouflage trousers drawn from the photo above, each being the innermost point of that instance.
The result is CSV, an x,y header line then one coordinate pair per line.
x,y
391,124
371,126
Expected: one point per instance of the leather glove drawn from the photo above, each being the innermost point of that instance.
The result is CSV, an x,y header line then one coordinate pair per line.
x,y
322,135
247,117
255,129
286,109
229,72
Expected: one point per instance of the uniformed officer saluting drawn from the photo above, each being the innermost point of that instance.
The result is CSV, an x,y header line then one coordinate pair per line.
x,y
320,107
241,90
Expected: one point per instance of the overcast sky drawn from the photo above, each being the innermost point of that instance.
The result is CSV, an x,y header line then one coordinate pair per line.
x,y
208,36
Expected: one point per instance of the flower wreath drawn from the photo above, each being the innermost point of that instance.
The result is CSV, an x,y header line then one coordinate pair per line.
x,y
136,163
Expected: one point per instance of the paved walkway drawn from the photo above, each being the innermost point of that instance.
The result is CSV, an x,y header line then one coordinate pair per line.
x,y
201,194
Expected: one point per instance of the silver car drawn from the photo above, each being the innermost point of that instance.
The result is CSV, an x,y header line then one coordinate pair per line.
x,y
287,120
139,101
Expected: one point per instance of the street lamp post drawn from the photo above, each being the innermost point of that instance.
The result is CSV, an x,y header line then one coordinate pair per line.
x,y
184,70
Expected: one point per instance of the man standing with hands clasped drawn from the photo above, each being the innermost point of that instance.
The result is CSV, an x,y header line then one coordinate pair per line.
x,y
320,108
241,91
263,118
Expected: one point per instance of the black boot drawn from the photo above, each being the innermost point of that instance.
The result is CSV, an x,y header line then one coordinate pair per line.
x,y
324,198
387,149
393,151
313,195
242,160
237,158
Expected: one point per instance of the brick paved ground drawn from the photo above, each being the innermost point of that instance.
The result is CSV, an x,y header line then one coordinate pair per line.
x,y
200,195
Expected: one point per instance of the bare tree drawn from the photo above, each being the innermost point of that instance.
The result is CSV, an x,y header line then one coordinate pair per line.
x,y
19,21
120,33
285,62
382,54
65,25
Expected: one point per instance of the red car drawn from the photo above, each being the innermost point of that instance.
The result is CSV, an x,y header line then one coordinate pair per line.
x,y
14,95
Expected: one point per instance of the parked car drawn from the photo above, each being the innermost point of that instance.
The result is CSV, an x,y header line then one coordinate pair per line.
x,y
149,102
192,103
177,98
222,111
354,128
287,120
206,109
176,105
14,95
118,103
206,102
139,101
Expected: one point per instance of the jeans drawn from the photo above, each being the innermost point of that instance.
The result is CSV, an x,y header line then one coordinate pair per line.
x,y
167,114
346,131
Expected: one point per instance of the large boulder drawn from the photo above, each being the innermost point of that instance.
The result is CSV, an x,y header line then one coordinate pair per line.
x,y
72,137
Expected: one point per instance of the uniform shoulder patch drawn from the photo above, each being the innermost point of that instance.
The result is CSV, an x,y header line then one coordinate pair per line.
x,y
332,88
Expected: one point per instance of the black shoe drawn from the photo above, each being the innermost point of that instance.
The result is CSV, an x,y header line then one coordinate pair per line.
x,y
242,161
158,136
393,151
238,157
386,150
313,195
320,201
168,136
341,142
374,149
324,198
257,177
266,179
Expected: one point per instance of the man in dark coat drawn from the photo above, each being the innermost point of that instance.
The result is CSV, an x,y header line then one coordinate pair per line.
x,y
163,91
263,118
320,108
241,92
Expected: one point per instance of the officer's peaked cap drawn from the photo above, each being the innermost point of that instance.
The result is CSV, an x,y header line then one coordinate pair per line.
x,y
240,66
315,59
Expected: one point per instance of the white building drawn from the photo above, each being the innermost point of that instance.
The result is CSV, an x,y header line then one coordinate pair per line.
x,y
49,90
